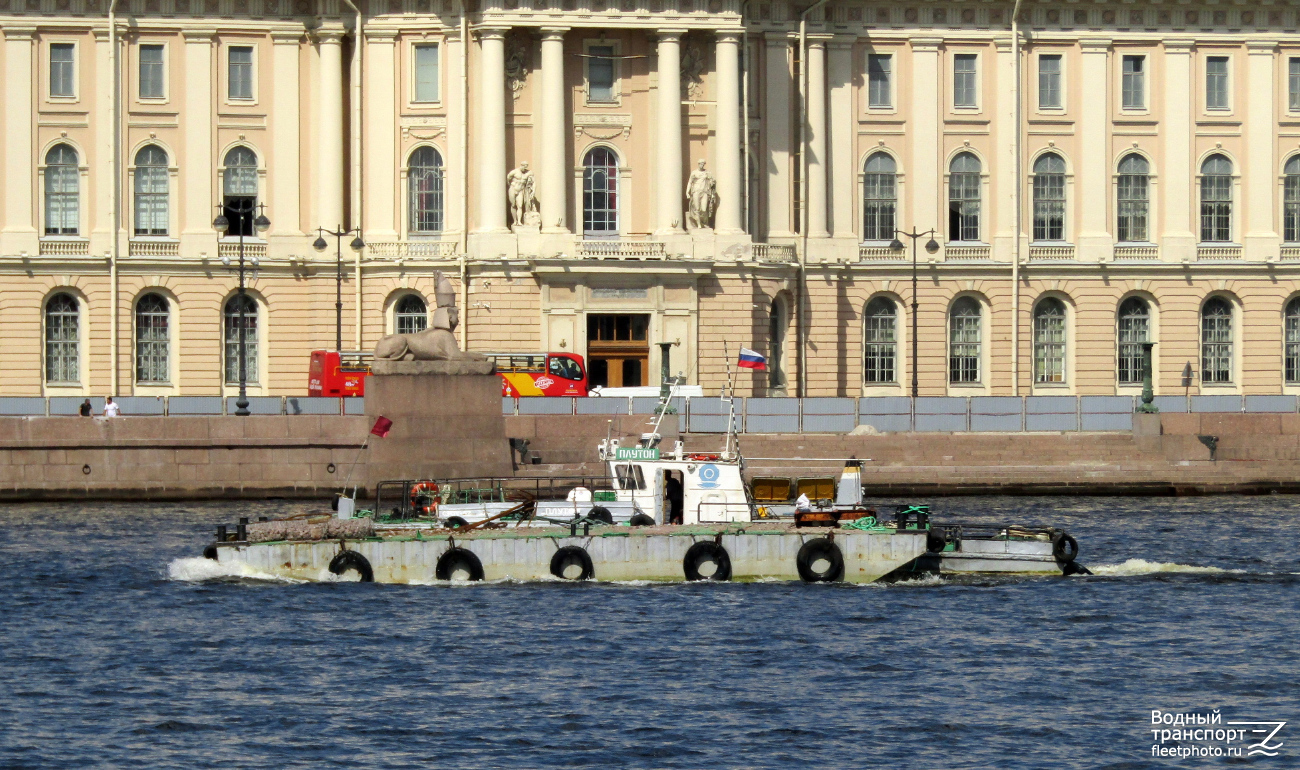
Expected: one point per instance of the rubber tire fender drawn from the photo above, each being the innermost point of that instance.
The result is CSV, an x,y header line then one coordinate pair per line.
x,y
463,558
698,553
346,560
1074,568
455,522
600,513
568,556
820,548
1065,549
642,520
935,542
210,552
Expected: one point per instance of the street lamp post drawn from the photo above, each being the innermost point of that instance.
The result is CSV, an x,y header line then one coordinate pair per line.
x,y
931,246
320,245
222,225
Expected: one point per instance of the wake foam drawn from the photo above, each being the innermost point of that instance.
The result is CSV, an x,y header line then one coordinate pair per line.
x,y
1134,567
198,569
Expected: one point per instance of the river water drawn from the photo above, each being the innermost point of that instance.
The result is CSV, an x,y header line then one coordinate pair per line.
x,y
118,649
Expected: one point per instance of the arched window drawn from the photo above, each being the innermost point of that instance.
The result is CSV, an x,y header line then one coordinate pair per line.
x,y
879,198
62,191
1133,199
1291,201
1292,329
425,189
241,317
1134,329
964,198
1216,341
1049,341
411,315
600,194
1049,198
151,191
152,339
1216,200
964,340
880,348
62,339
777,323
239,185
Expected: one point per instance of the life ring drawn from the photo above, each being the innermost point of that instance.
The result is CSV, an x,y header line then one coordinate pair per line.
x,y
820,561
458,564
429,491
642,520
600,513
568,557
1065,549
346,561
710,556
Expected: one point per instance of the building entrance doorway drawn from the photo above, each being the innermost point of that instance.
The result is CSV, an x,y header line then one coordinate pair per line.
x,y
618,350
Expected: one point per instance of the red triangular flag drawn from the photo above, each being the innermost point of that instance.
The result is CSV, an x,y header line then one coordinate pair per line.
x,y
382,425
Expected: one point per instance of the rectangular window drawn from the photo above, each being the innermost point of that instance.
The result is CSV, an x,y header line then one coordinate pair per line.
x,y
1049,82
1292,348
880,68
963,80
1293,83
1216,83
426,73
600,73
1134,86
151,72
241,72
63,67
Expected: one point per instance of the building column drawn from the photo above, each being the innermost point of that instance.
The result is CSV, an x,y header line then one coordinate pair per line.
x,y
492,130
1261,173
19,152
1094,239
286,121
927,191
776,129
552,168
816,147
727,139
1177,239
1002,194
198,209
329,130
843,133
670,193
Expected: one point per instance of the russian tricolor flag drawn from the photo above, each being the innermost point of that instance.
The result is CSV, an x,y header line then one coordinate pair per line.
x,y
751,360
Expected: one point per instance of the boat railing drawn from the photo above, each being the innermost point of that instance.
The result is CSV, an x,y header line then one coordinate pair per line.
x,y
419,498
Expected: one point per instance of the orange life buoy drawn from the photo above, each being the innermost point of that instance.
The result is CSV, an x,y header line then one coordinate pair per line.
x,y
426,489
704,457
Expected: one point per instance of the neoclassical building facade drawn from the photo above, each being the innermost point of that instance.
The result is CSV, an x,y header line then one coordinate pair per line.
x,y
1092,178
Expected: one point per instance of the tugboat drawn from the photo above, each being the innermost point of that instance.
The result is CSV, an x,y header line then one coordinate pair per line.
x,y
657,515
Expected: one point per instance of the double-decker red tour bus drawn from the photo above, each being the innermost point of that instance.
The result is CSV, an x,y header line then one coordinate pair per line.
x,y
541,374
522,374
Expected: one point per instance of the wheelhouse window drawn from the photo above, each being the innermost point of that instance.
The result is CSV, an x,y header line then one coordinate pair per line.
x,y
411,315
62,339
241,317
1133,199
1049,341
880,86
1133,86
1049,81
151,210
1049,198
1134,329
880,348
1292,331
1216,341
1216,200
152,339
964,198
240,186
600,194
62,191
1291,200
964,341
879,198
424,179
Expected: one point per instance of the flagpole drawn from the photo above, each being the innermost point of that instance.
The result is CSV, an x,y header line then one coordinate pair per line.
x,y
355,460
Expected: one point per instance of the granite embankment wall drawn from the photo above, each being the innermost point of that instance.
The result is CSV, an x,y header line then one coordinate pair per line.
x,y
309,456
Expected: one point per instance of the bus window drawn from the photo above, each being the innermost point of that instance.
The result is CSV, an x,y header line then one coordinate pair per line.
x,y
630,477
562,366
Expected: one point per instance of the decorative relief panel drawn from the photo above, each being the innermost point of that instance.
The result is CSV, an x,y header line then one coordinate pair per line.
x,y
602,126
424,128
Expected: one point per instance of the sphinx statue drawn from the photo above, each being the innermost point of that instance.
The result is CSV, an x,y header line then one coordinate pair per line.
x,y
438,342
